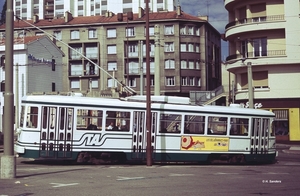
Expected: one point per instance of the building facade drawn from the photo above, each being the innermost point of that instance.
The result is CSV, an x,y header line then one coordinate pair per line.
x,y
263,36
49,9
188,58
37,67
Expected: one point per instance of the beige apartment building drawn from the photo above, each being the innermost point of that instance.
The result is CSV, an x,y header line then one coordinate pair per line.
x,y
188,57
264,35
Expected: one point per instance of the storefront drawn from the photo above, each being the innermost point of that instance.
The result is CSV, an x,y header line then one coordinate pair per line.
x,y
287,120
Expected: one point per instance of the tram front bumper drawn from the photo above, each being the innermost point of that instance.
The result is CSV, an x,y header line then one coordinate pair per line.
x,y
19,149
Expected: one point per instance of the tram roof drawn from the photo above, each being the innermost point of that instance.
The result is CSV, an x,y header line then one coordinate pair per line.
x,y
139,104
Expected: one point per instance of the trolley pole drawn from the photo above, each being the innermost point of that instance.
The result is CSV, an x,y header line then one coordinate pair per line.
x,y
8,160
148,90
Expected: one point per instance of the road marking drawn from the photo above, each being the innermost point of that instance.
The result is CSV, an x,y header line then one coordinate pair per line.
x,y
276,173
56,185
222,173
120,178
181,174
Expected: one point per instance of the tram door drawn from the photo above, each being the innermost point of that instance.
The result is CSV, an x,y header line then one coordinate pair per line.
x,y
259,135
56,132
139,142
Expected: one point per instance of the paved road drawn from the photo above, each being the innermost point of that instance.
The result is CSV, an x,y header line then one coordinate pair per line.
x,y
35,178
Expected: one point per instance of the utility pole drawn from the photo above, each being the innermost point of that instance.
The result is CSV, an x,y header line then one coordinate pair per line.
x,y
250,87
156,61
141,57
8,160
148,91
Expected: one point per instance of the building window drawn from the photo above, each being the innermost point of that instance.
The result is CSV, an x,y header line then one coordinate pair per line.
x,y
170,81
53,87
111,83
184,81
111,66
191,30
91,69
169,29
74,84
2,88
57,35
92,33
182,30
197,48
130,32
111,49
169,47
75,53
192,81
260,47
260,80
111,33
198,80
198,31
191,64
182,47
197,65
76,69
183,64
170,64
91,52
134,67
133,50
132,82
75,34
191,47
151,31
94,83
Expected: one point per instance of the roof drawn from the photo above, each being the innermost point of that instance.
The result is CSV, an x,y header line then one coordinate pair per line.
x,y
82,20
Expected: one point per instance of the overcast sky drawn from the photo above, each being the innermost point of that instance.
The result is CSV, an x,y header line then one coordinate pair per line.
x,y
216,12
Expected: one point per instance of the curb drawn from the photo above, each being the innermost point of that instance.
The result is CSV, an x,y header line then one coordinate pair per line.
x,y
291,151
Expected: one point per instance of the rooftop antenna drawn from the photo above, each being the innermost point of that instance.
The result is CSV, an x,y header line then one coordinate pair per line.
x,y
207,9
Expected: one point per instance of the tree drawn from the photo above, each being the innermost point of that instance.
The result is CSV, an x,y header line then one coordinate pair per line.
x,y
3,14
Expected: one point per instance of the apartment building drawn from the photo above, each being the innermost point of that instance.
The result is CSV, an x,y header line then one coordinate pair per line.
x,y
37,67
49,9
188,58
263,36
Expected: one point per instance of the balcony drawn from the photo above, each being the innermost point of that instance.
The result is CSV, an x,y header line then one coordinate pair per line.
x,y
258,54
255,20
255,24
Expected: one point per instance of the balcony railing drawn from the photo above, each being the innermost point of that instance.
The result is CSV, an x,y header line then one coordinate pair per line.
x,y
255,20
268,53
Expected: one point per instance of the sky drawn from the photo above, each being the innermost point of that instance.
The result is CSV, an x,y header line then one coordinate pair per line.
x,y
214,9
216,12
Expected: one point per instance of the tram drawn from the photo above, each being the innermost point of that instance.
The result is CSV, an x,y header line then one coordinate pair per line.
x,y
89,129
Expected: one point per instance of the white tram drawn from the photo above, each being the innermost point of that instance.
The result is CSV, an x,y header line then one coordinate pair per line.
x,y
87,129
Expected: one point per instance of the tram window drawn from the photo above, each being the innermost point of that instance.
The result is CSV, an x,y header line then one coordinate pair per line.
x,y
32,117
117,121
88,119
217,125
194,124
239,126
170,123
22,116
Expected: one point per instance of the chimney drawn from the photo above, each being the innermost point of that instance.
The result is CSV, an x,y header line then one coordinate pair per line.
x,y
141,12
178,10
130,15
35,18
120,16
68,17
